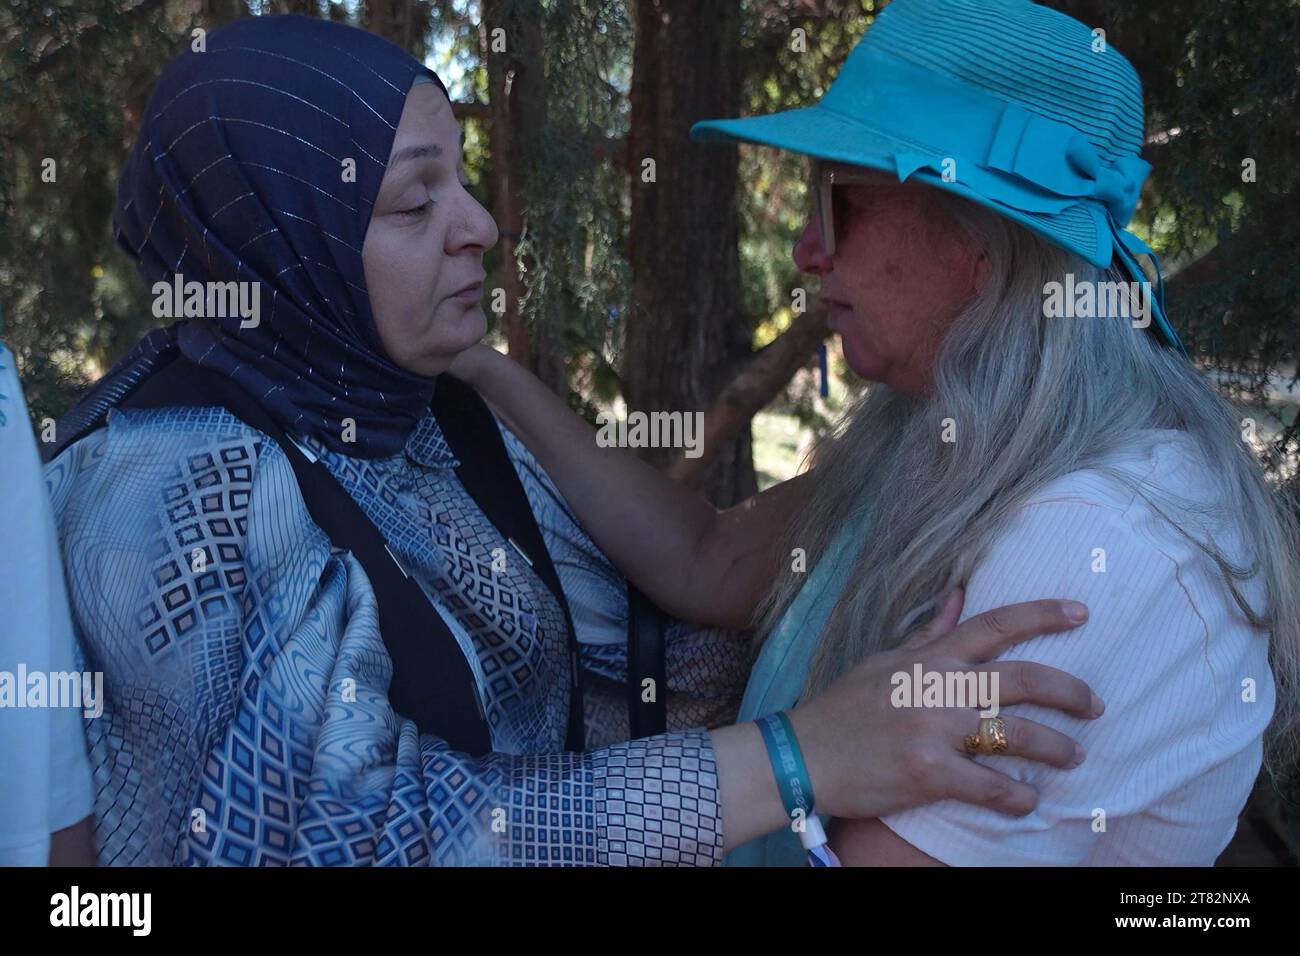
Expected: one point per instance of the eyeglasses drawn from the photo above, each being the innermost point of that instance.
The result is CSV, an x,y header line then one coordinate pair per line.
x,y
828,176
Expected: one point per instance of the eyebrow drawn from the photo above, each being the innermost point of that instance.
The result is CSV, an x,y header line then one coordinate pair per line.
x,y
422,151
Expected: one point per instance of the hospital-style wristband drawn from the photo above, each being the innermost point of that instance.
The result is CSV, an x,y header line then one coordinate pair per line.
x,y
794,786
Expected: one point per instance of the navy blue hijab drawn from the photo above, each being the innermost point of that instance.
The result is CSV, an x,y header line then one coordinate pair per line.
x,y
240,173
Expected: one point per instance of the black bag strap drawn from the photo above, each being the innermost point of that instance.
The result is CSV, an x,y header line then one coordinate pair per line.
x,y
645,659
487,474
485,470
432,684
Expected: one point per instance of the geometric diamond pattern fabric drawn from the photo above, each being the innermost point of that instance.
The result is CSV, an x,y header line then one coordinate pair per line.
x,y
246,719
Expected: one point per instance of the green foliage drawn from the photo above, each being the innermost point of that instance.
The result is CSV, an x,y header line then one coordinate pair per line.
x,y
71,77
1221,83
576,276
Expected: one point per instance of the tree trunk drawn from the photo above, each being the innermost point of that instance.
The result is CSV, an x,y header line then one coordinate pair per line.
x,y
518,90
686,336
380,16
217,13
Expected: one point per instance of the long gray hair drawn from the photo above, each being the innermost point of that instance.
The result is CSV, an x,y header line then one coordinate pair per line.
x,y
1033,399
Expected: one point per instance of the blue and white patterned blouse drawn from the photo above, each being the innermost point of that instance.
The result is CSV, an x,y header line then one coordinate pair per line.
x,y
246,717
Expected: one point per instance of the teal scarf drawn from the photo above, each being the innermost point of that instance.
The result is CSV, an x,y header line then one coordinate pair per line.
x,y
782,666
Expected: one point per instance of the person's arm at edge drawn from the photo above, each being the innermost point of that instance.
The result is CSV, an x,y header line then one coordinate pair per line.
x,y
73,846
871,843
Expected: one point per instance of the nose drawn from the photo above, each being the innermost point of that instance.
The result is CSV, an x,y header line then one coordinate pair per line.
x,y
474,228
809,252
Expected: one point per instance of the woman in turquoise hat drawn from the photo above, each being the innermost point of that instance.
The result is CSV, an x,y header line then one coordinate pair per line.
x,y
1035,428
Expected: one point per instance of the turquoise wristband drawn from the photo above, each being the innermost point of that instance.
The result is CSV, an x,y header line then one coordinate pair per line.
x,y
787,764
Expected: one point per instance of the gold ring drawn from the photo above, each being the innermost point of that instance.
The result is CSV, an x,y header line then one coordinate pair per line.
x,y
991,739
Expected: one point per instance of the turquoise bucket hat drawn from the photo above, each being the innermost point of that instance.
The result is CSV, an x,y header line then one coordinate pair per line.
x,y
1025,110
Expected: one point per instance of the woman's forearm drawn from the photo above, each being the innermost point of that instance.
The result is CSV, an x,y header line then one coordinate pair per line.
x,y
691,560
747,793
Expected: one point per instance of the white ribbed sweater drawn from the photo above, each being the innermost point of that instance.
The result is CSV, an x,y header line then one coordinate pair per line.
x,y
1171,762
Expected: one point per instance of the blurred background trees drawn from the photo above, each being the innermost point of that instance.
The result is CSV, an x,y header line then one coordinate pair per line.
x,y
641,270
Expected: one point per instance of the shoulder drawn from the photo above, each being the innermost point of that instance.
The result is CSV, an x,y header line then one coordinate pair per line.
x,y
1127,533
1165,647
1158,459
1171,761
138,449
1162,618
180,526
179,482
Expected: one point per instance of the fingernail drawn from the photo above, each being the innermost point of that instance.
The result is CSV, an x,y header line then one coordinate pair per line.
x,y
1079,754
1098,706
1075,611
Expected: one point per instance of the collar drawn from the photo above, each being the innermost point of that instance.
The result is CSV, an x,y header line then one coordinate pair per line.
x,y
427,446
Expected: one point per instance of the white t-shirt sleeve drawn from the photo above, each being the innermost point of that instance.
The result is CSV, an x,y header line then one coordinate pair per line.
x,y
1171,762
45,780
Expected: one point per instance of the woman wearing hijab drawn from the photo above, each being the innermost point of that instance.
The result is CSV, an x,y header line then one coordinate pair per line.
x,y
327,635
973,160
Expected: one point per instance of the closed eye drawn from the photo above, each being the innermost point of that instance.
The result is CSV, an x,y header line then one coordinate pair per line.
x,y
415,211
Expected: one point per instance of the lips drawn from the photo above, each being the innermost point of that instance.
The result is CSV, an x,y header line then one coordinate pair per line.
x,y
834,308
473,290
